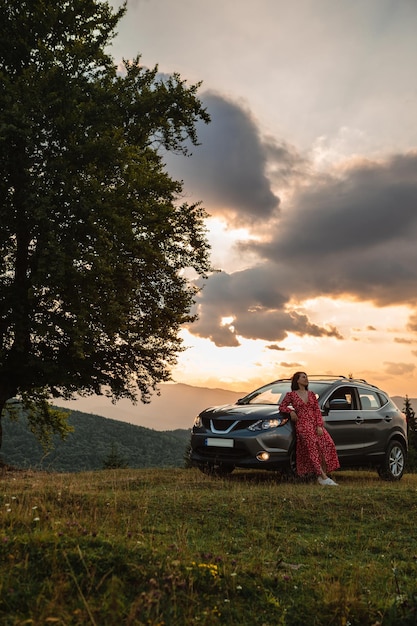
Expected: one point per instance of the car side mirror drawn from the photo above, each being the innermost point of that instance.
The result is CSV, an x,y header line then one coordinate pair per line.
x,y
339,404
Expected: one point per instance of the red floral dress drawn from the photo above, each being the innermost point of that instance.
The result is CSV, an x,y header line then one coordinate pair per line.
x,y
313,451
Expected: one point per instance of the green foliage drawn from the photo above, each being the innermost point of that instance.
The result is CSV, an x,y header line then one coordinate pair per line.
x,y
187,452
135,547
43,420
412,434
91,443
94,239
114,460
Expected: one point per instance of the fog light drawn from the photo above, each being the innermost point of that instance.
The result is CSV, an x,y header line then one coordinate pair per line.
x,y
263,456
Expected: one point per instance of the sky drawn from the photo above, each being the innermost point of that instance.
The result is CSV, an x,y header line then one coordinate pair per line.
x,y
308,171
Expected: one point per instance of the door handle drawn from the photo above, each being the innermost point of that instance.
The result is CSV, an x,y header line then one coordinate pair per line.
x,y
388,418
359,419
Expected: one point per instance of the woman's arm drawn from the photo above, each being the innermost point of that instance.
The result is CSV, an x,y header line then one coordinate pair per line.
x,y
287,407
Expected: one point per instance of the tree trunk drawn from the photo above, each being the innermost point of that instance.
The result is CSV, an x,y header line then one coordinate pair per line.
x,y
4,396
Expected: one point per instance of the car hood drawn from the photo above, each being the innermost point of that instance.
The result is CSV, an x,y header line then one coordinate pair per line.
x,y
241,411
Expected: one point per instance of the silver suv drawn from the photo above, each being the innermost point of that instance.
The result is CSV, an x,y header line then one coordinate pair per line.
x,y
367,427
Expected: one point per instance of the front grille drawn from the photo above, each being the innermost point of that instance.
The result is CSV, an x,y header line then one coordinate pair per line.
x,y
226,426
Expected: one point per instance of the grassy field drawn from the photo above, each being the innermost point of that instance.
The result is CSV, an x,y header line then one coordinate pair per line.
x,y
175,547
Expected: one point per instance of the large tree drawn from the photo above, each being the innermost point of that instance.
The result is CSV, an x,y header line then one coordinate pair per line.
x,y
95,239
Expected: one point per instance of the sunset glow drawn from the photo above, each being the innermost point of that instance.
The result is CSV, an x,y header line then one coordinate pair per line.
x,y
309,172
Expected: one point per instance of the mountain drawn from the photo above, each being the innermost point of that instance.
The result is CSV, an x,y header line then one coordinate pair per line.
x,y
175,407
399,401
94,441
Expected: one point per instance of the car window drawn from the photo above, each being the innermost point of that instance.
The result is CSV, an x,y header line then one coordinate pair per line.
x,y
369,399
273,394
345,395
383,399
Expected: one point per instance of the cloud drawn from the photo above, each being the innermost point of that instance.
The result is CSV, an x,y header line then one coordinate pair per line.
x,y
233,169
257,308
290,365
412,323
398,369
403,340
352,234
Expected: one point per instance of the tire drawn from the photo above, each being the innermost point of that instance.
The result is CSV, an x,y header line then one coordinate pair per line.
x,y
393,465
293,461
216,469
289,470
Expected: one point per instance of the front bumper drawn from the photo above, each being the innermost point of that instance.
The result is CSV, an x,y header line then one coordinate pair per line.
x,y
264,450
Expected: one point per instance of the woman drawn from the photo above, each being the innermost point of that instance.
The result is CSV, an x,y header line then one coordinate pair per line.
x,y
316,452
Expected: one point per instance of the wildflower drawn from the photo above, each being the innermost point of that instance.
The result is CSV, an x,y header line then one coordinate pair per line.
x,y
212,568
36,519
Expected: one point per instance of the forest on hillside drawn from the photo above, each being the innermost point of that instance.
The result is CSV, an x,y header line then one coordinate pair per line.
x,y
95,443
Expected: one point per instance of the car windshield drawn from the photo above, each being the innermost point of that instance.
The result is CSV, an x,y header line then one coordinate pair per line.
x,y
274,393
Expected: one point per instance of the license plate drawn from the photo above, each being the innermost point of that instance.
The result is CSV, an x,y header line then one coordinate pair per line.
x,y
220,443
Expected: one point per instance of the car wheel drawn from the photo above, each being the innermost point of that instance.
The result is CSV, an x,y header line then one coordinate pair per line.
x,y
216,469
393,464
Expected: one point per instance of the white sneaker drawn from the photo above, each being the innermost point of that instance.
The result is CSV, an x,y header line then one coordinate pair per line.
x,y
326,481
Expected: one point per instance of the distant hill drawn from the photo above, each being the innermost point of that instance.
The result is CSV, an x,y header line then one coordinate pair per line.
x,y
399,401
175,407
94,439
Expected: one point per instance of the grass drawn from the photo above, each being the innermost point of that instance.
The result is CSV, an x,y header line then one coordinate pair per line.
x,y
175,547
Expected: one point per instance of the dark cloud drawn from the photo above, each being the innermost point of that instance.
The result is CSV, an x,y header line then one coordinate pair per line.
x,y
233,168
351,236
372,203
274,346
355,235
254,302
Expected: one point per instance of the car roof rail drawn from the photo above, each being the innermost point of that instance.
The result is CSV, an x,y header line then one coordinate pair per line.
x,y
326,376
340,377
330,377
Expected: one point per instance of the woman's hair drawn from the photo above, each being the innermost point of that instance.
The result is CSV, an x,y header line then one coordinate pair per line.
x,y
294,381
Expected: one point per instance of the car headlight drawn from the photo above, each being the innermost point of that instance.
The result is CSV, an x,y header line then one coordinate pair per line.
x,y
267,424
198,422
